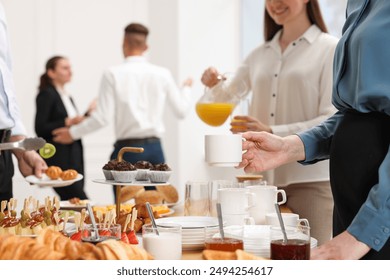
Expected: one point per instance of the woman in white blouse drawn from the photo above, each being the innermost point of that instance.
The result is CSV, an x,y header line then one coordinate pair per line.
x,y
290,77
56,108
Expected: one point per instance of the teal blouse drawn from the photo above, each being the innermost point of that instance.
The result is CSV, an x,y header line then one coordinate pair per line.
x,y
362,83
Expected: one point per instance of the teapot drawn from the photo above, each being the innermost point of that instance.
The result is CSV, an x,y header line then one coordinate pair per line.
x,y
218,102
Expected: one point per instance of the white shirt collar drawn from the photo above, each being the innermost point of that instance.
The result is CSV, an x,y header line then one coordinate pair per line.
x,y
135,58
310,36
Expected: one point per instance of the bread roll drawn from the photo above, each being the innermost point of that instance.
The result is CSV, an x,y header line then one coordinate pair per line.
x,y
169,192
153,197
130,192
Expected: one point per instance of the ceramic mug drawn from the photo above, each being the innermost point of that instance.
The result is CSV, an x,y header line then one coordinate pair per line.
x,y
289,219
266,197
223,150
235,200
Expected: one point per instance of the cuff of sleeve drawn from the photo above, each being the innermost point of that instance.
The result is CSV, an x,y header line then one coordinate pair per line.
x,y
370,227
75,133
280,130
18,129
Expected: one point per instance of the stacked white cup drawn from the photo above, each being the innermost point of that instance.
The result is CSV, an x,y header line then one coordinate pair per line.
x,y
235,205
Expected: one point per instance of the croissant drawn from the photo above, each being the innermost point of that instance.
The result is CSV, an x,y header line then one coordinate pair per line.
x,y
54,172
69,174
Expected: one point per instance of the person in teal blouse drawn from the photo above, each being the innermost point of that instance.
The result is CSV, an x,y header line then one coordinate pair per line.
x,y
356,139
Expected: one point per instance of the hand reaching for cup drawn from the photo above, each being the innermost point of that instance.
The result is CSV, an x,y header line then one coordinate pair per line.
x,y
242,124
265,151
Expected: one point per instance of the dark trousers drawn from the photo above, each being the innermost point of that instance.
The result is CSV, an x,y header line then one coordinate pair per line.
x,y
6,173
359,146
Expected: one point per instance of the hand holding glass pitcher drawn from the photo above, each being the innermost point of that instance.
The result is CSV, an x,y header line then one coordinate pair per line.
x,y
222,94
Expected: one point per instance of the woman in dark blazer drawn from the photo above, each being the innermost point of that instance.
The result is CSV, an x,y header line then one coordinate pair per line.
x,y
55,108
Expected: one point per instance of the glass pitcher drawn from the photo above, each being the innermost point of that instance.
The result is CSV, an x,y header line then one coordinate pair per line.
x,y
218,102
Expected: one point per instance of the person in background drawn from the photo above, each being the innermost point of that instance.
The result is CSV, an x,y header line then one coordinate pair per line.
x,y
290,76
55,108
11,127
134,94
356,139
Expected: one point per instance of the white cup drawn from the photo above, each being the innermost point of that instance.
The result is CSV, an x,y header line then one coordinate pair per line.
x,y
223,150
237,219
289,219
235,200
166,245
266,197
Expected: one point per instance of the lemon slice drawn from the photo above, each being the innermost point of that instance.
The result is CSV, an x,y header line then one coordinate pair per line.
x,y
47,151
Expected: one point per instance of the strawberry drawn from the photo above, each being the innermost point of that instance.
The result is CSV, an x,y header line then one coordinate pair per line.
x,y
124,237
76,236
132,237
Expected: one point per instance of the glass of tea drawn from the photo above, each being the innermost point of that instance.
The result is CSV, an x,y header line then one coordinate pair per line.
x,y
296,247
232,241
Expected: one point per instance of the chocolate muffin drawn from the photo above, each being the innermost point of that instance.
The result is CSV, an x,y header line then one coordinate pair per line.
x,y
108,167
160,173
143,168
124,172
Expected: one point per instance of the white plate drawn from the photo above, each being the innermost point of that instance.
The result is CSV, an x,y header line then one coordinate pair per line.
x,y
190,222
171,211
136,183
45,181
65,204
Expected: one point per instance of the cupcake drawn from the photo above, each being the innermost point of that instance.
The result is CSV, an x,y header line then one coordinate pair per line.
x,y
124,172
160,173
143,168
108,167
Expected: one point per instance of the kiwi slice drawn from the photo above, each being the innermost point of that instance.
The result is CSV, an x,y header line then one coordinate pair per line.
x,y
47,151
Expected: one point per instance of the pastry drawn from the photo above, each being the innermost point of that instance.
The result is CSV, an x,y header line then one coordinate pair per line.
x,y
130,192
69,174
53,172
169,192
153,197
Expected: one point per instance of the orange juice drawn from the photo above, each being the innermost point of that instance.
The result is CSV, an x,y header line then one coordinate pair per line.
x,y
214,114
235,126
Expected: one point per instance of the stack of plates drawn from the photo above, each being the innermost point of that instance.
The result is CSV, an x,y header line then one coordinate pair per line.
x,y
193,229
257,240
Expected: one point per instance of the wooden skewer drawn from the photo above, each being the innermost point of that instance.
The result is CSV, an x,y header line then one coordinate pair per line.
x,y
82,218
126,222
133,218
77,218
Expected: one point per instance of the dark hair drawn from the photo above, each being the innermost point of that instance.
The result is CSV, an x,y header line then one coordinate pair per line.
x,y
137,28
313,11
51,64
136,34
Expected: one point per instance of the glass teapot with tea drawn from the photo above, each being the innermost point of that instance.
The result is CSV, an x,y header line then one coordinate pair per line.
x,y
219,101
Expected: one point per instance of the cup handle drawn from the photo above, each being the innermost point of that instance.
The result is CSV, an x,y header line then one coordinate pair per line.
x,y
251,200
304,222
284,196
249,221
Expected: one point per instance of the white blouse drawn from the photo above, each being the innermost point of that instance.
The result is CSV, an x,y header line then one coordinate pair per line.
x,y
291,92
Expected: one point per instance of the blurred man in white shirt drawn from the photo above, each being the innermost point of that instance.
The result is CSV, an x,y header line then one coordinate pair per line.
x,y
134,94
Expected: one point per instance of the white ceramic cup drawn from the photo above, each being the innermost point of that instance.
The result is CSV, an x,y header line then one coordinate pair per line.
x,y
237,219
223,150
266,197
289,219
166,245
235,200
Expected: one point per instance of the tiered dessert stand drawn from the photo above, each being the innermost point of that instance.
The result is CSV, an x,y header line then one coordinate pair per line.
x,y
119,185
